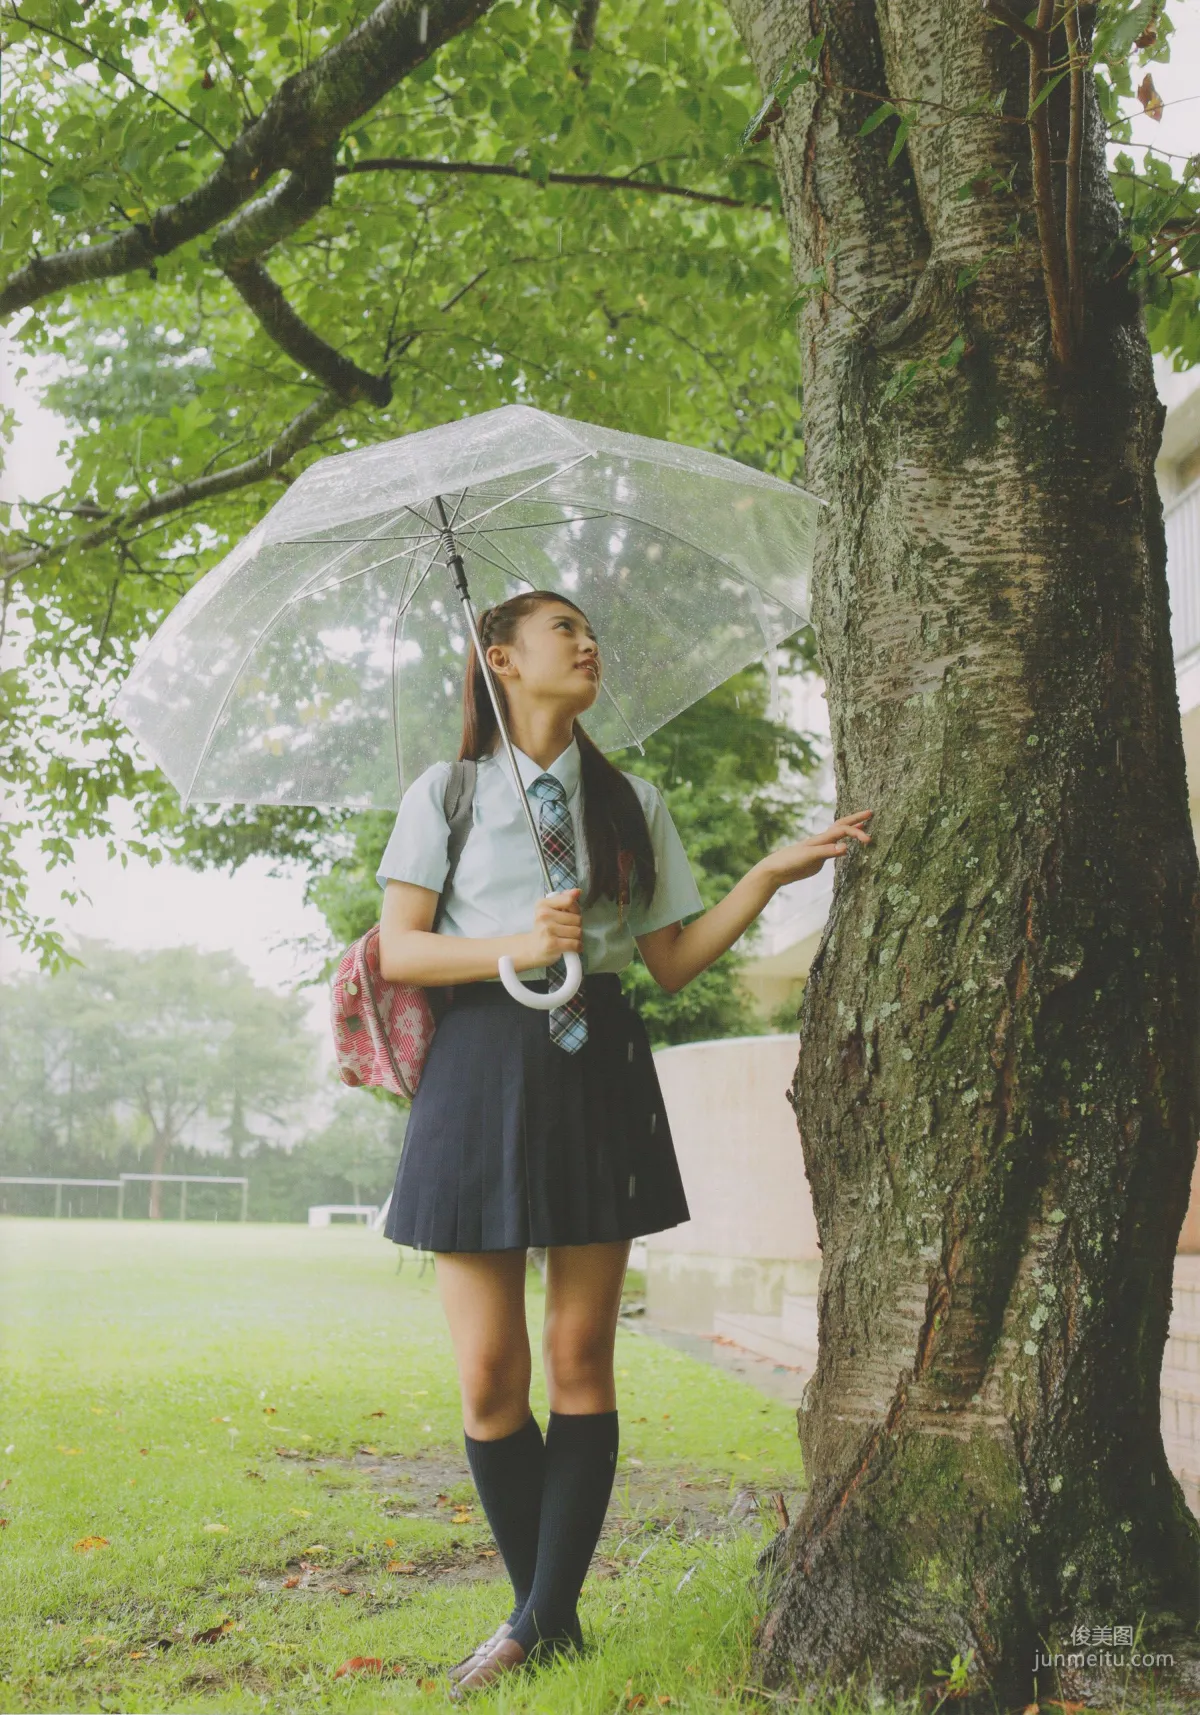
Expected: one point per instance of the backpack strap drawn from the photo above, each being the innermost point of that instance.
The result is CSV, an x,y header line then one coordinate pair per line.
x,y
457,801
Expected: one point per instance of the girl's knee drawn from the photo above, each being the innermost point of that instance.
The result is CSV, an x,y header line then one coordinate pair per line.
x,y
495,1392
578,1357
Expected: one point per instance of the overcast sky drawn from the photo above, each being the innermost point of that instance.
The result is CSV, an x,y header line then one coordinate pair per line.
x,y
261,916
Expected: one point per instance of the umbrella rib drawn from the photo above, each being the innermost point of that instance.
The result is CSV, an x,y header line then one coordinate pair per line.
x,y
743,577
363,572
227,698
561,470
405,603
537,524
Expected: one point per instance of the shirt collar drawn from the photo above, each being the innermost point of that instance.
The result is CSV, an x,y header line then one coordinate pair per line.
x,y
565,768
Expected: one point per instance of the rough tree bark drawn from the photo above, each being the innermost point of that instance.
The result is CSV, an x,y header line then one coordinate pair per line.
x,y
998,1086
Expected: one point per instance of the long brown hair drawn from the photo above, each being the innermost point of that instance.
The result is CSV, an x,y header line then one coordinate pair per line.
x,y
614,823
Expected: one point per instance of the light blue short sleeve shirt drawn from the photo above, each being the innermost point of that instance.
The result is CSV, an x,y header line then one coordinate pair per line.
x,y
498,881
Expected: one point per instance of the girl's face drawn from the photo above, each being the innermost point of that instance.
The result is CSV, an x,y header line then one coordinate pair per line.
x,y
555,657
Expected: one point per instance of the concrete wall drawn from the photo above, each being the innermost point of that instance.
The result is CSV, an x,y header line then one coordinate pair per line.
x,y
752,1236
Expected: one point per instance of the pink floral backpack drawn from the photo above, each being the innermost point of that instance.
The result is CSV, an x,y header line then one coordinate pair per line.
x,y
382,1030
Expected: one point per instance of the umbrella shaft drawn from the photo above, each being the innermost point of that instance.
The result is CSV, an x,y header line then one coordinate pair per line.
x,y
455,564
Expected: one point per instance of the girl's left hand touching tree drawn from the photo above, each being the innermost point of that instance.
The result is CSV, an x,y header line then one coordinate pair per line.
x,y
797,862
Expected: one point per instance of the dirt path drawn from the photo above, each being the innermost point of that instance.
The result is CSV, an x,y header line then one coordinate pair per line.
x,y
646,1502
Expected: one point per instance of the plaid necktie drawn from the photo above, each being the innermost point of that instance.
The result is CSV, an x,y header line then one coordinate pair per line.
x,y
568,1024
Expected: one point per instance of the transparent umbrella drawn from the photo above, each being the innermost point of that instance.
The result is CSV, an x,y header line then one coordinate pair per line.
x,y
321,662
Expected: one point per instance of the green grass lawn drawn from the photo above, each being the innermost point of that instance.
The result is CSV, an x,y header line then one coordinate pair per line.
x,y
260,1421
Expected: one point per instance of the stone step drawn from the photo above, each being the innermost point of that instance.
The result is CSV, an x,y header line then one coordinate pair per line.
x,y
764,1335
799,1321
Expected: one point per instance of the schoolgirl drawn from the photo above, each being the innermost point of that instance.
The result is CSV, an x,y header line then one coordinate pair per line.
x,y
535,1128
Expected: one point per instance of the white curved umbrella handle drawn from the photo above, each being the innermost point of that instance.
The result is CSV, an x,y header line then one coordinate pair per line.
x,y
553,997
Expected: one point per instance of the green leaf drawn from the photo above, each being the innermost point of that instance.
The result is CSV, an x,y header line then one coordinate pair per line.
x,y
1050,84
876,118
902,131
65,198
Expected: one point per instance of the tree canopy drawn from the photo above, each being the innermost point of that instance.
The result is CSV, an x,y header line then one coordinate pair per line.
x,y
250,236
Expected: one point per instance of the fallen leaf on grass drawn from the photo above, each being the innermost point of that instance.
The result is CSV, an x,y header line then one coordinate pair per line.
x,y
270,1410
291,1583
462,1515
3,1524
220,1420
216,1529
68,1450
300,1512
402,1566
1031,1709
213,1633
6,1481
360,1664
371,1451
138,1654
488,1553
377,1414
87,1543
318,1548
257,1476
288,1453
635,1702
663,1699
344,1590
389,1542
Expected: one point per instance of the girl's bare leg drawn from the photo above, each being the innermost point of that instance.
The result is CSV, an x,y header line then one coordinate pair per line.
x,y
583,1301
483,1296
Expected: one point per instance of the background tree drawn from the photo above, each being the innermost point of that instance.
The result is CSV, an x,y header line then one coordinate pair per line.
x,y
998,1085
152,1047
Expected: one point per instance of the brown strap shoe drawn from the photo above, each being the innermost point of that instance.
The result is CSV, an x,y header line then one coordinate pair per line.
x,y
503,1658
480,1650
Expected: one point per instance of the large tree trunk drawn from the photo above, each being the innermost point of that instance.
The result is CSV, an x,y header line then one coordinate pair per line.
x,y
998,1085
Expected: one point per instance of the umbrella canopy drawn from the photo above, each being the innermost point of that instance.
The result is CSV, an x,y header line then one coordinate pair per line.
x,y
321,662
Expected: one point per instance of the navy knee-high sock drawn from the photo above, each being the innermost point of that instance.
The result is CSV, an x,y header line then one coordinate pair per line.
x,y
581,1461
508,1475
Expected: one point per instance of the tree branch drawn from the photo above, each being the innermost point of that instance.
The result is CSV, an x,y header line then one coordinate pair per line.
x,y
583,38
1054,269
240,243
270,462
293,335
260,225
496,169
308,112
1074,163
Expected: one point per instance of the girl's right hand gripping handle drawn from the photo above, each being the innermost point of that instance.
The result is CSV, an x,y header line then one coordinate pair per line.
x,y
531,997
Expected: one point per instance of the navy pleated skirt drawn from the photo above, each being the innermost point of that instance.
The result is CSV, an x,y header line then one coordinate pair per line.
x,y
512,1142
